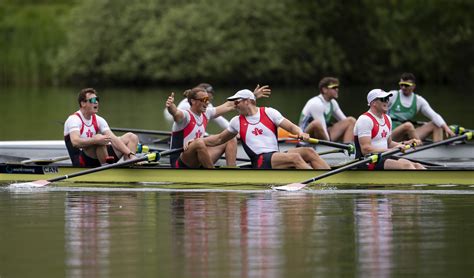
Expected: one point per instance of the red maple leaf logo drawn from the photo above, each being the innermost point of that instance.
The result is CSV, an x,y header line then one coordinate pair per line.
x,y
89,133
198,134
257,131
384,134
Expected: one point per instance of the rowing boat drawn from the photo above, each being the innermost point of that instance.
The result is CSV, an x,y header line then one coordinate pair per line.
x,y
159,174
455,153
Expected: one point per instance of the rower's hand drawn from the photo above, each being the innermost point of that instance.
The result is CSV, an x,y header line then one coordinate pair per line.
x,y
303,136
448,132
186,146
263,91
170,100
101,139
413,142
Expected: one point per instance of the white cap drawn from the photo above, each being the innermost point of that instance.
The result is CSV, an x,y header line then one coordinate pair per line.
x,y
375,94
242,94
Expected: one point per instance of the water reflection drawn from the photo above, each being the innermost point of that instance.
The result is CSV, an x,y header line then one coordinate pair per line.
x,y
374,235
231,234
87,235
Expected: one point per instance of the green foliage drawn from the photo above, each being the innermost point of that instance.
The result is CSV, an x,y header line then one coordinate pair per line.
x,y
30,35
236,41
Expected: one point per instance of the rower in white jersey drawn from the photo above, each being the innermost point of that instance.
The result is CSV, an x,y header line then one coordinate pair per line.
x,y
257,127
322,117
189,128
372,134
88,138
403,107
185,105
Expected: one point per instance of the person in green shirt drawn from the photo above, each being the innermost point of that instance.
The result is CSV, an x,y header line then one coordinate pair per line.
x,y
405,104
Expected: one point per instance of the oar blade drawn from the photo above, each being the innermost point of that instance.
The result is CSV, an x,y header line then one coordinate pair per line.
x,y
290,187
38,183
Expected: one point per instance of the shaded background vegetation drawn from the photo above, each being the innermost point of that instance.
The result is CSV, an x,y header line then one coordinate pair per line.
x,y
291,42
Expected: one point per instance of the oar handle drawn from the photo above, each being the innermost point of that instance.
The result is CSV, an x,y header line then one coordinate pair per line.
x,y
349,147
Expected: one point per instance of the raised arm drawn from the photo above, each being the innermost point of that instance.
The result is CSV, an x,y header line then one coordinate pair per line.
x,y
177,114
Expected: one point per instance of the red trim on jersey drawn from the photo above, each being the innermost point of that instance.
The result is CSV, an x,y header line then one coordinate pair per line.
x,y
94,123
192,122
375,128
264,119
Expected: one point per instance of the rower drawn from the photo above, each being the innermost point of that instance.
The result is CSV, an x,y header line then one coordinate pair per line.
x,y
403,107
319,113
189,128
88,138
372,134
185,105
257,127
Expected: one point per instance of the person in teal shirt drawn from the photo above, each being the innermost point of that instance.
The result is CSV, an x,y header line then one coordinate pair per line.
x,y
405,104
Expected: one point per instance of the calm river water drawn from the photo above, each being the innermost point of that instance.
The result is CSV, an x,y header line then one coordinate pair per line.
x,y
31,114
139,233
144,232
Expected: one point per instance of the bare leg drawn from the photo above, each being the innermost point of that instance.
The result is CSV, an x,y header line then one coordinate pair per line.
x,y
402,164
101,153
343,130
316,129
196,155
131,141
404,131
288,160
310,156
231,152
430,128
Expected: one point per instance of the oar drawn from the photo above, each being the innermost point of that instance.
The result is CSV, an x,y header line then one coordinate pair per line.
x,y
373,159
149,157
349,147
467,135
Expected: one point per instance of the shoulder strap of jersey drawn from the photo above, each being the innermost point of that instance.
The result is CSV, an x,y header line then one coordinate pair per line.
x,y
265,120
387,121
375,128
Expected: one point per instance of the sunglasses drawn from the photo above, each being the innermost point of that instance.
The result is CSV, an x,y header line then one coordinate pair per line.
x,y
93,100
405,84
237,101
203,100
384,99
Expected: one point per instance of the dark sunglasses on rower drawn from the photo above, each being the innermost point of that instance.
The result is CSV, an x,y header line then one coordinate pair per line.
x,y
384,99
93,100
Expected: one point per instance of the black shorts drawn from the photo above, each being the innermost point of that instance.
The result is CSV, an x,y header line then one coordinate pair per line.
x,y
83,160
263,161
374,166
179,164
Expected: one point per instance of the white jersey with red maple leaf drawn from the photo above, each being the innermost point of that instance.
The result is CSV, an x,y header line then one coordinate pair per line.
x,y
86,127
378,128
258,132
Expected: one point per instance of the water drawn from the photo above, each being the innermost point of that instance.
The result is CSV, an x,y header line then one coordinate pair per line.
x,y
33,114
131,233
